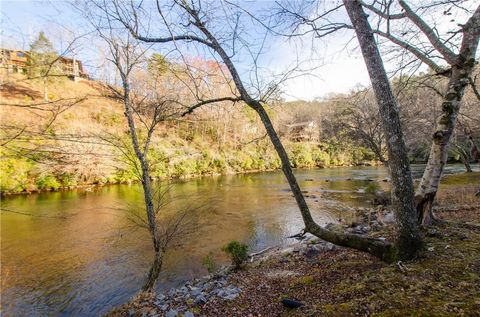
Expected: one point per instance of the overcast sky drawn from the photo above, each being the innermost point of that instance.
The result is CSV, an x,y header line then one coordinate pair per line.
x,y
338,68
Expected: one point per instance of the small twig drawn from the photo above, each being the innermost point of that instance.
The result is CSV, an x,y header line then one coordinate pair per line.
x,y
402,267
251,256
299,236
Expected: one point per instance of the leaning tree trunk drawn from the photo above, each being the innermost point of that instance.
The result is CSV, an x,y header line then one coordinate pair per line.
x,y
464,157
152,225
378,248
459,79
408,239
427,190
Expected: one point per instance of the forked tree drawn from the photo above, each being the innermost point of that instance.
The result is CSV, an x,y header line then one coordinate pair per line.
x,y
452,55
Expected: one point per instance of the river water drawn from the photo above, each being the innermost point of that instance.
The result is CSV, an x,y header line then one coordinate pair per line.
x,y
79,252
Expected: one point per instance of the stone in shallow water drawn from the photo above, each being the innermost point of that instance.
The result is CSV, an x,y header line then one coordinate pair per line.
x,y
231,296
195,291
199,300
163,307
188,314
172,313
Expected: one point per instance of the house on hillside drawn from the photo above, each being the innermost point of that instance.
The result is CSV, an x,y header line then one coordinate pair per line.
x,y
16,61
303,131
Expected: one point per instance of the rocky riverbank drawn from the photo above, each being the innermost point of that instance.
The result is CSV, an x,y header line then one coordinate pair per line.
x,y
327,280
188,299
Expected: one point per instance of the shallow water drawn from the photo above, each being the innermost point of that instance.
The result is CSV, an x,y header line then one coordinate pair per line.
x,y
78,252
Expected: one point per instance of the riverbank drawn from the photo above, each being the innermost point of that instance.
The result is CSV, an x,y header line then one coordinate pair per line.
x,y
333,281
89,145
92,186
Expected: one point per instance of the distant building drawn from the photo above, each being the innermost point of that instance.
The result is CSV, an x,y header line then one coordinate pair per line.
x,y
303,131
16,61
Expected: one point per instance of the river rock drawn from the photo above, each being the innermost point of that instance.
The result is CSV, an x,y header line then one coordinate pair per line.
x,y
290,303
388,218
287,251
171,313
199,300
195,291
231,297
163,307
188,314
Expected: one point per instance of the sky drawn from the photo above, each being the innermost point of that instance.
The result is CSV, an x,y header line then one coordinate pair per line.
x,y
334,68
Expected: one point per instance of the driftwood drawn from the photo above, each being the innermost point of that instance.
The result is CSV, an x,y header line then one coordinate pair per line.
x,y
252,255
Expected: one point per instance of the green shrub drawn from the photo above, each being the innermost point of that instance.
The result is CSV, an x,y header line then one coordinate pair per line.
x,y
372,188
209,263
247,163
238,253
68,179
14,175
322,159
48,182
220,164
301,156
186,167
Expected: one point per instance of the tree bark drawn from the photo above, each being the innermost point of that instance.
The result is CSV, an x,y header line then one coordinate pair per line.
x,y
459,79
408,240
464,157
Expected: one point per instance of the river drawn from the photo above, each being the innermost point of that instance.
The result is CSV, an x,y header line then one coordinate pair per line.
x,y
79,253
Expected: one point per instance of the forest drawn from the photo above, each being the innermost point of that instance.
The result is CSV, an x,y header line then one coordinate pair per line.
x,y
177,150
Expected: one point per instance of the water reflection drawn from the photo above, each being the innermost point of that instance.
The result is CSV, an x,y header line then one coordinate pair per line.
x,y
79,254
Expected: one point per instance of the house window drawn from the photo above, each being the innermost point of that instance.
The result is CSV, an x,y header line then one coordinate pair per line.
x,y
20,54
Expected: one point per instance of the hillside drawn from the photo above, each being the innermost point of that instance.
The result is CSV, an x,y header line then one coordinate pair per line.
x,y
80,137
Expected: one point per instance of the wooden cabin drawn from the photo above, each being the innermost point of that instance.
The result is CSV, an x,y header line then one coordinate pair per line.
x,y
16,61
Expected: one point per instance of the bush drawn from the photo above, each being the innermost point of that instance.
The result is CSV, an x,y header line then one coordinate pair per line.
x,y
186,167
372,188
238,252
15,175
48,182
301,156
209,263
322,159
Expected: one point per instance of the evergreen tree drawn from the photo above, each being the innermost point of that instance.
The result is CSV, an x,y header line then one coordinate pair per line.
x,y
42,60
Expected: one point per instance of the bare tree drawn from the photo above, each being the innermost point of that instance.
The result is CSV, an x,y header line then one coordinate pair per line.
x,y
144,108
360,117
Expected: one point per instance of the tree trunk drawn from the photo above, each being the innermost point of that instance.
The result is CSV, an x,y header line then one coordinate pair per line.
x,y
428,187
464,157
152,225
408,240
459,79
154,272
